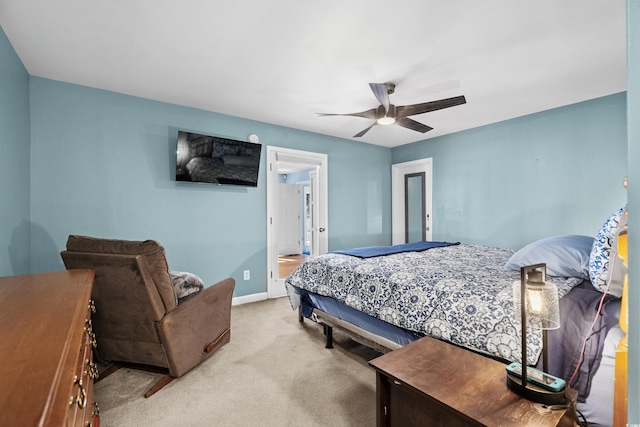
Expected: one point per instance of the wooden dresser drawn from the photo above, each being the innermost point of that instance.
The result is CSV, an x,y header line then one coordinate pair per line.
x,y
46,360
433,383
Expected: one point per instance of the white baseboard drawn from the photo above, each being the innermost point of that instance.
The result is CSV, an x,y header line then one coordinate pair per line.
x,y
249,298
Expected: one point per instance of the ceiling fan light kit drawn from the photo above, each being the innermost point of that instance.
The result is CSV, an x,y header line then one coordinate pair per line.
x,y
386,120
388,114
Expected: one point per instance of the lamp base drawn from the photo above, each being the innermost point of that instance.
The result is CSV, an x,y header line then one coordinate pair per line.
x,y
535,393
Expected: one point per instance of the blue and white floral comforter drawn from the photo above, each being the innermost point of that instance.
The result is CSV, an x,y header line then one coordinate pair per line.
x,y
461,294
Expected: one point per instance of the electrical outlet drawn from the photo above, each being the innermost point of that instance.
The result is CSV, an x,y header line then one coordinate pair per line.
x,y
247,274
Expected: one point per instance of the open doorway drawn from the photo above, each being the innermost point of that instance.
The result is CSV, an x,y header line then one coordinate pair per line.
x,y
296,212
294,217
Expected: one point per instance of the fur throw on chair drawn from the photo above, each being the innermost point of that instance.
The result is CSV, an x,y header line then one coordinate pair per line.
x,y
185,284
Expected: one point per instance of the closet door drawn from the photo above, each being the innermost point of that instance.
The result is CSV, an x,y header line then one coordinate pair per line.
x,y
411,201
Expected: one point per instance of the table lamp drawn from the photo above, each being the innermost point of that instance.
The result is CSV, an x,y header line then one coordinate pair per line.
x,y
538,302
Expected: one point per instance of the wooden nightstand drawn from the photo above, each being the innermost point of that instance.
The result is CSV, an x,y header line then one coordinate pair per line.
x,y
432,383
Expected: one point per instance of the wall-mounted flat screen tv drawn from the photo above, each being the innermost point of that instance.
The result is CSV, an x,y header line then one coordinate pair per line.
x,y
215,160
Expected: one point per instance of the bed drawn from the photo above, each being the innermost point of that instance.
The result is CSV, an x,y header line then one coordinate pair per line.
x,y
386,297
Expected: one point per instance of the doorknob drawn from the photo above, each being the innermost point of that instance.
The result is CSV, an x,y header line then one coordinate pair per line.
x,y
321,229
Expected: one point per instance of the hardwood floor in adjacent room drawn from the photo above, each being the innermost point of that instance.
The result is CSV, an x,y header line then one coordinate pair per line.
x,y
288,263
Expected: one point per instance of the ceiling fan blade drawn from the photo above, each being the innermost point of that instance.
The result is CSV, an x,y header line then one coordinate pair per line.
x,y
369,114
362,132
408,123
382,94
425,107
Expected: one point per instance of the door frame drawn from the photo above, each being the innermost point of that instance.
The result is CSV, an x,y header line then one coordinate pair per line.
x,y
283,156
398,171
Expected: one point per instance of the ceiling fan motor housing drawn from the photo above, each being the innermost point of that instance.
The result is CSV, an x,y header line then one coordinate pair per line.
x,y
380,114
391,87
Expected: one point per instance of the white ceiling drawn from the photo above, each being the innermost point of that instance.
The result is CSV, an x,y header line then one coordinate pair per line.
x,y
281,61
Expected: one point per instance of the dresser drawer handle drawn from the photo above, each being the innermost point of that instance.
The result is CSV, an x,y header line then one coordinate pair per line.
x,y
81,398
93,369
89,331
95,416
396,382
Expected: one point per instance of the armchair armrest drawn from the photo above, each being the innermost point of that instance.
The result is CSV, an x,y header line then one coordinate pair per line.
x,y
197,327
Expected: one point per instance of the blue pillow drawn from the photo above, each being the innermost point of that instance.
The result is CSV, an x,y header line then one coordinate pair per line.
x,y
565,256
603,253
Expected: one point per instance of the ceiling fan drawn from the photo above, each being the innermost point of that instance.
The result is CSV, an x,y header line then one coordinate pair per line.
x,y
388,114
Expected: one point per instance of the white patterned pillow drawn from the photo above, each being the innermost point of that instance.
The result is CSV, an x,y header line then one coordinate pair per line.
x,y
602,261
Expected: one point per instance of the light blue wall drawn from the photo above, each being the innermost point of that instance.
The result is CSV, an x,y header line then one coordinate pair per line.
x,y
103,165
510,183
14,162
633,120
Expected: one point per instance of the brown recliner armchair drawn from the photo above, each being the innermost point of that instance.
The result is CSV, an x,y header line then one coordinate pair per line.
x,y
138,320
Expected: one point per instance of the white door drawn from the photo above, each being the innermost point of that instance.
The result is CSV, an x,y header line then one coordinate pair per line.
x,y
315,241
319,241
287,158
411,201
290,214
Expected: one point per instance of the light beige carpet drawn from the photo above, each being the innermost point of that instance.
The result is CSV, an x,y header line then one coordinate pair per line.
x,y
274,372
